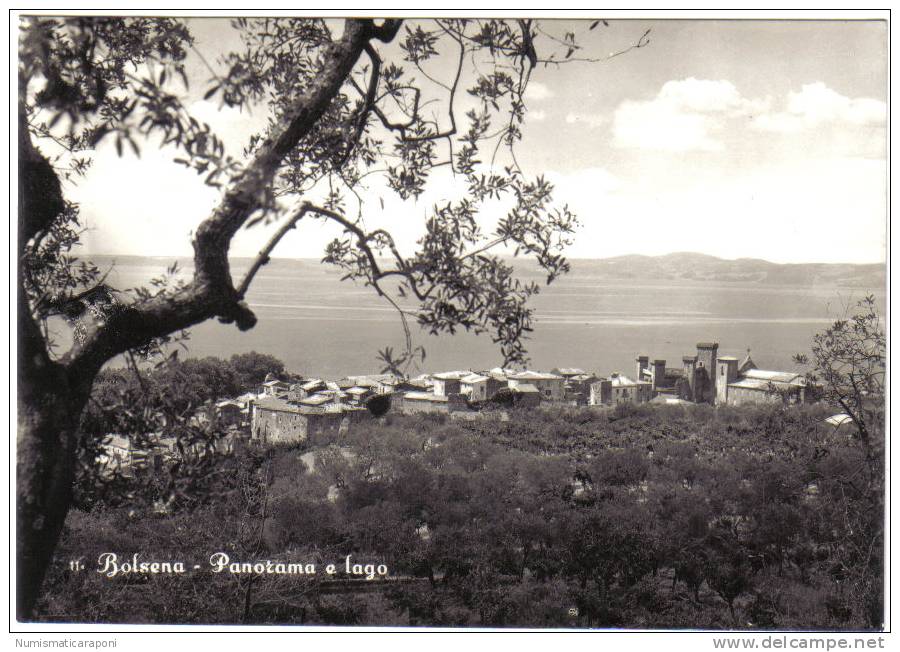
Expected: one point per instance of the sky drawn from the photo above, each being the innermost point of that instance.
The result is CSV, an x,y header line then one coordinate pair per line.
x,y
761,139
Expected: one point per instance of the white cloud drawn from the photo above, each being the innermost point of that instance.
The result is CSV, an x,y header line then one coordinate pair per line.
x,y
663,126
537,91
534,115
685,115
794,211
707,96
816,105
697,114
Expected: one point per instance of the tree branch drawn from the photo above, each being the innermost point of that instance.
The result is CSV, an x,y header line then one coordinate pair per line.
x,y
40,195
263,257
387,30
211,292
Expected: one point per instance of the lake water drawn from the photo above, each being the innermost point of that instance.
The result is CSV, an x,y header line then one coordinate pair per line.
x,y
319,325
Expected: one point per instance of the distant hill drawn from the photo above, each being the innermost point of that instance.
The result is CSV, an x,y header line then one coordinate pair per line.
x,y
690,266
681,266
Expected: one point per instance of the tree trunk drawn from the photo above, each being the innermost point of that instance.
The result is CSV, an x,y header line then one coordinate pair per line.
x,y
49,405
48,414
51,396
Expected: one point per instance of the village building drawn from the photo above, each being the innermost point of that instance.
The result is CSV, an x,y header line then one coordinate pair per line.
x,y
153,451
526,395
758,386
841,424
230,413
421,383
708,377
307,387
274,387
378,383
448,382
480,387
577,385
335,396
414,402
568,372
278,421
316,400
550,386
619,389
662,379
357,395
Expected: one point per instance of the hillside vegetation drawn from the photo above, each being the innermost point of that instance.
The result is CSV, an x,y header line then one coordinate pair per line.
x,y
658,517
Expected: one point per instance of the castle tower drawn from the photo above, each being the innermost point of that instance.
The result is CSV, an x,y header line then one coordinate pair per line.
x,y
726,373
659,374
641,363
707,352
689,369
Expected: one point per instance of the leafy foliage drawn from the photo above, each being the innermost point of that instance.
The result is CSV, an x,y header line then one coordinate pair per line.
x,y
334,119
88,80
705,520
849,360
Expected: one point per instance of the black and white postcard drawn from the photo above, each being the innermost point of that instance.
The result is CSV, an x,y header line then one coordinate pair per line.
x,y
459,321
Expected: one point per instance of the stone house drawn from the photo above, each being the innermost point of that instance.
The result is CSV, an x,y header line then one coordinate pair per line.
x,y
758,386
448,382
527,395
230,413
480,387
551,386
618,389
277,421
274,387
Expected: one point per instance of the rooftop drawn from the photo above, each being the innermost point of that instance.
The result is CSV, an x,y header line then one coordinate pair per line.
x,y
424,396
534,375
451,375
277,405
763,384
372,380
474,378
776,376
570,371
618,380
315,399
839,419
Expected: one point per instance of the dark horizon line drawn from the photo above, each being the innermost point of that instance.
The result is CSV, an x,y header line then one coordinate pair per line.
x,y
882,262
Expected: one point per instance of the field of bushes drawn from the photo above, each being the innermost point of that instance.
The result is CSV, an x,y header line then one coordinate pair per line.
x,y
641,517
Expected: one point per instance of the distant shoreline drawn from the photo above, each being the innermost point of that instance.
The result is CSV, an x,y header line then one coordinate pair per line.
x,y
607,259
677,268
